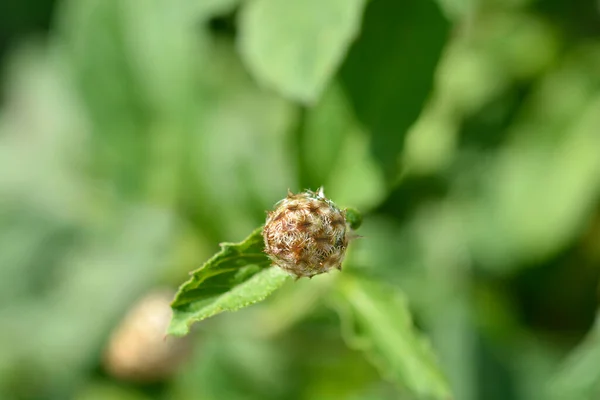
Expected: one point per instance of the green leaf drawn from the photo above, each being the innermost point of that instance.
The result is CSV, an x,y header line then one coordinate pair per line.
x,y
389,71
384,330
542,186
326,126
458,9
296,51
162,62
354,218
335,153
235,277
235,182
579,375
208,8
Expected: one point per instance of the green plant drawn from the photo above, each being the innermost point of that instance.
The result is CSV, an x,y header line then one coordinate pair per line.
x,y
375,315
137,135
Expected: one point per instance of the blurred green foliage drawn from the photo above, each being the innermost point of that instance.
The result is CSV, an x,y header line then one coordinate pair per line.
x,y
137,135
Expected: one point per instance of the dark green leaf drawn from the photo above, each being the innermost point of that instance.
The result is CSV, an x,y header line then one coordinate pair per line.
x,y
235,277
354,218
579,375
335,153
389,70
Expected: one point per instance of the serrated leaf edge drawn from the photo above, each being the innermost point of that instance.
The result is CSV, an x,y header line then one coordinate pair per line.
x,y
224,247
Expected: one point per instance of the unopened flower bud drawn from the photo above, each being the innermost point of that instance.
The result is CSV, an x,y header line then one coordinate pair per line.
x,y
306,234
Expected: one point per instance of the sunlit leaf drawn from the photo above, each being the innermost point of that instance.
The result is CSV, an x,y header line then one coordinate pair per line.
x,y
383,328
297,50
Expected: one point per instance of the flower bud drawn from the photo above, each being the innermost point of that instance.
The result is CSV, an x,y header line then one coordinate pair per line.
x,y
306,234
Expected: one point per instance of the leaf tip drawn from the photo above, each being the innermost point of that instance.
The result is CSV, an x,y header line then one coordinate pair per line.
x,y
177,328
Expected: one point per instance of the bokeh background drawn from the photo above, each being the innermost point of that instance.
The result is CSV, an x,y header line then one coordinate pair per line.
x,y
137,135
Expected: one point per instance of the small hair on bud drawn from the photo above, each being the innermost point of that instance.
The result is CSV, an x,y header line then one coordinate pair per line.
x,y
321,192
353,236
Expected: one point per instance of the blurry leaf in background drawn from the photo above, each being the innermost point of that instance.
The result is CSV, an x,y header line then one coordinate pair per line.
x,y
427,259
446,306
476,92
579,375
208,8
103,390
335,372
236,180
166,68
521,44
325,129
335,154
73,255
377,320
297,52
21,18
138,84
158,132
231,365
83,293
499,50
43,147
544,183
162,65
458,9
388,73
90,34
296,301
236,277
387,252
431,142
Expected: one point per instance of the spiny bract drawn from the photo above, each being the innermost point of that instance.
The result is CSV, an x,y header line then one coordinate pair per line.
x,y
306,234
